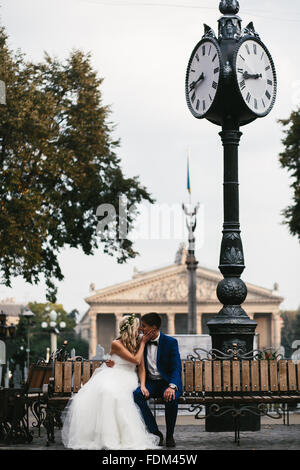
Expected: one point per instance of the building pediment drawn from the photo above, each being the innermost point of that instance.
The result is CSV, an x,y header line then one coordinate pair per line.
x,y
170,284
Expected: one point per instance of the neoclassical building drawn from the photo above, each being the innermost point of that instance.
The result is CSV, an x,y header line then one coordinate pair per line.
x,y
165,291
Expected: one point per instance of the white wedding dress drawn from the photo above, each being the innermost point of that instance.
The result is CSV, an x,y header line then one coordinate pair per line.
x,y
103,414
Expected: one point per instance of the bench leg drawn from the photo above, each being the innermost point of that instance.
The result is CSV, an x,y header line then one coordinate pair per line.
x,y
237,430
49,425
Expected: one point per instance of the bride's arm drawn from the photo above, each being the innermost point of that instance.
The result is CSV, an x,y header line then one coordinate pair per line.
x,y
142,377
142,373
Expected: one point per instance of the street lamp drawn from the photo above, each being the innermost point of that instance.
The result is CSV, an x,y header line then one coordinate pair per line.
x,y
53,330
6,332
28,314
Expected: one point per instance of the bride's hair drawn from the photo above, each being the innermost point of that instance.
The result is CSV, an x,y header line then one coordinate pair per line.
x,y
129,333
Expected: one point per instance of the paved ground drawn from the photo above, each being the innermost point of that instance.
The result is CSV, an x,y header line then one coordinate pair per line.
x,y
190,435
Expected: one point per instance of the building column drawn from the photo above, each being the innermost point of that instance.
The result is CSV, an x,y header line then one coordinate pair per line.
x,y
276,328
171,323
93,335
199,323
118,317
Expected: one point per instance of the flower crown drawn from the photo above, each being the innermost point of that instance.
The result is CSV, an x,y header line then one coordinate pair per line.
x,y
128,323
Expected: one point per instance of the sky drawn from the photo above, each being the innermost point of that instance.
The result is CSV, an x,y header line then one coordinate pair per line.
x,y
141,48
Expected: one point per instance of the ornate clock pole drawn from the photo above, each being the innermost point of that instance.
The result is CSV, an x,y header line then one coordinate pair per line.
x,y
192,264
231,81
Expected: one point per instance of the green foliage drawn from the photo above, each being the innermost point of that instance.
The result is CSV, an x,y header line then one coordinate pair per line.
x,y
58,164
290,159
40,338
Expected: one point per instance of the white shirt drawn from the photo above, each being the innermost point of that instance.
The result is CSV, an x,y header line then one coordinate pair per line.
x,y
151,359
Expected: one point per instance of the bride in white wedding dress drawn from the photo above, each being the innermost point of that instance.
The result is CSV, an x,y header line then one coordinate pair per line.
x,y
103,414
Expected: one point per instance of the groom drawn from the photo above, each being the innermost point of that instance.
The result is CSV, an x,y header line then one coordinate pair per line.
x,y
161,377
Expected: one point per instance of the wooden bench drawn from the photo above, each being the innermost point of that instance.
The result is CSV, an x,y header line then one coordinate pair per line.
x,y
39,375
232,386
68,378
236,387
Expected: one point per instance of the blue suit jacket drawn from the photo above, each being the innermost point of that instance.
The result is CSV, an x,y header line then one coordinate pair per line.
x,y
168,360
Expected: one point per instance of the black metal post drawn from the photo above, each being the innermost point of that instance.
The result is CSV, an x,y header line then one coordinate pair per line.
x,y
232,324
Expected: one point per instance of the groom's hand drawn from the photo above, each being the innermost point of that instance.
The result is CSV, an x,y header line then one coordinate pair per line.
x,y
169,394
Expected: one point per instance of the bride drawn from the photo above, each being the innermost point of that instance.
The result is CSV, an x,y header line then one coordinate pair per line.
x,y
103,414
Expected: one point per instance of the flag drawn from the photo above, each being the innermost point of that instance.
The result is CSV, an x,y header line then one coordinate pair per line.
x,y
188,176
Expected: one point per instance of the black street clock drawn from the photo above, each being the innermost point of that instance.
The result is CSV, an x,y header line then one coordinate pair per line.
x,y
231,81
232,75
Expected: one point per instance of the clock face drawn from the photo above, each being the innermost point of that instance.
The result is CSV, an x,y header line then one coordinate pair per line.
x,y
202,77
256,76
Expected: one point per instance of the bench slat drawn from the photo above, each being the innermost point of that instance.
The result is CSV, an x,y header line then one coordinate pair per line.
x,y
77,377
217,376
273,376
207,376
189,376
283,376
67,377
198,376
264,376
95,365
292,376
226,376
254,376
58,377
245,376
86,372
236,376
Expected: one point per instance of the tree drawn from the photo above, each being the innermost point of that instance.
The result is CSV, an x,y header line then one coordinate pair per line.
x,y
58,164
290,159
40,337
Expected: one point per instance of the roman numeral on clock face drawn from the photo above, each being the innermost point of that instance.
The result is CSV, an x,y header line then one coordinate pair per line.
x,y
216,70
242,84
193,97
248,50
197,57
255,49
248,98
240,71
214,85
268,95
204,105
214,57
197,105
255,103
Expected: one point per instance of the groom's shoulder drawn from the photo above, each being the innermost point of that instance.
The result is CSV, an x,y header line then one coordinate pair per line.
x,y
170,338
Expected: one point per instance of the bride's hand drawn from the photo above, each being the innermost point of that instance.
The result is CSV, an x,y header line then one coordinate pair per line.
x,y
145,391
148,336
109,363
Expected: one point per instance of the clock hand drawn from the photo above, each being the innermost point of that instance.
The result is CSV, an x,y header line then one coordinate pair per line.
x,y
193,84
247,75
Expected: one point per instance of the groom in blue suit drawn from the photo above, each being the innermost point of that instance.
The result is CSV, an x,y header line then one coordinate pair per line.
x,y
160,377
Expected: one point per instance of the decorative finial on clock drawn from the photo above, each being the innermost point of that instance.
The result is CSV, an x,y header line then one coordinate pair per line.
x,y
229,7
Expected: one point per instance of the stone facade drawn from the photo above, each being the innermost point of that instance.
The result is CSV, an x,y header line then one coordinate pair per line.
x,y
165,291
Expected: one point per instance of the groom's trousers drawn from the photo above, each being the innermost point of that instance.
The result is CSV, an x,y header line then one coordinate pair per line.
x,y
156,389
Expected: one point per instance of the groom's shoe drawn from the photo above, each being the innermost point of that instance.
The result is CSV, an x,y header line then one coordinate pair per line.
x,y
170,441
161,438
